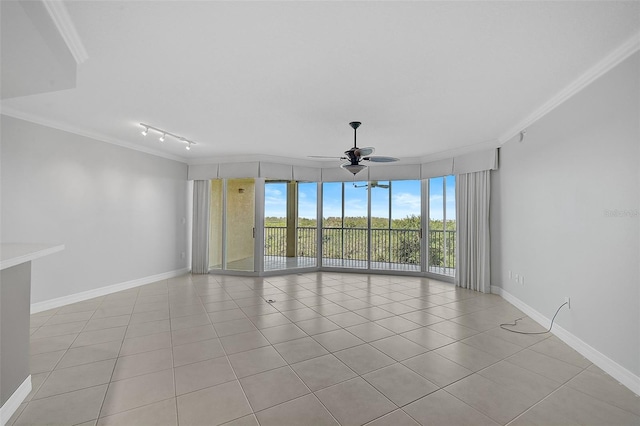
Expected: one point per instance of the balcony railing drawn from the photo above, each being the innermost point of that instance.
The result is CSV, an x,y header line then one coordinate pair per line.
x,y
393,246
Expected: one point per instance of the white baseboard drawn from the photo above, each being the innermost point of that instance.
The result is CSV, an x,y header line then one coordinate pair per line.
x,y
14,401
615,370
102,291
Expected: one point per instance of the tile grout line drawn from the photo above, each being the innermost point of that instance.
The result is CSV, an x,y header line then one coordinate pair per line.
x,y
104,398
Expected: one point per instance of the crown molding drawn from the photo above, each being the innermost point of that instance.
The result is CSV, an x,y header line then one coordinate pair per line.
x,y
60,16
10,112
322,164
451,153
625,50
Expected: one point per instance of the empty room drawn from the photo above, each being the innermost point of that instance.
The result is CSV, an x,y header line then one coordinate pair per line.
x,y
319,213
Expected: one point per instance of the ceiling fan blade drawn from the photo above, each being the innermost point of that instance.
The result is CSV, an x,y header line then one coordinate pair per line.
x,y
325,156
381,159
363,152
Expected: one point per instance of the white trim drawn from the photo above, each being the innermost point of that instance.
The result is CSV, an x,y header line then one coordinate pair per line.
x,y
455,152
10,112
102,291
615,370
60,16
627,49
14,401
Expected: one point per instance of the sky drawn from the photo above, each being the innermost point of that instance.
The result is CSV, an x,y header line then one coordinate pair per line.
x,y
405,199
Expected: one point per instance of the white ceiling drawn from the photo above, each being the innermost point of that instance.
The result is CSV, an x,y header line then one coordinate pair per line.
x,y
285,78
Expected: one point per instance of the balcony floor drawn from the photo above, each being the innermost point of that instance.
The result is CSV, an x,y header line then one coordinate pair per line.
x,y
277,263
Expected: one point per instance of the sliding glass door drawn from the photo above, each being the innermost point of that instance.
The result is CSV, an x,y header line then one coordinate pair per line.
x,y
290,225
232,224
375,225
216,224
275,225
240,216
442,226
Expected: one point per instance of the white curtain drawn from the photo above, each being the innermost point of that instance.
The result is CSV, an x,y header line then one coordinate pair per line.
x,y
472,237
200,239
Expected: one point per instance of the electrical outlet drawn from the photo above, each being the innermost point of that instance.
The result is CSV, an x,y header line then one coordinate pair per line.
x,y
567,300
522,279
517,278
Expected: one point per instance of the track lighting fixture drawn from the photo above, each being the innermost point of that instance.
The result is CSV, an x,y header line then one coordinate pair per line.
x,y
164,135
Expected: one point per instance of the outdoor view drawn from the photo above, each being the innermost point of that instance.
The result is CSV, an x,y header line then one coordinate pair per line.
x,y
395,223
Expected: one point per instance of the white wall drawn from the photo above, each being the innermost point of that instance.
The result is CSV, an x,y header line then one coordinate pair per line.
x,y
550,221
119,212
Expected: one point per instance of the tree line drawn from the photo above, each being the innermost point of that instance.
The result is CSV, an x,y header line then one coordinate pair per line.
x,y
397,241
409,222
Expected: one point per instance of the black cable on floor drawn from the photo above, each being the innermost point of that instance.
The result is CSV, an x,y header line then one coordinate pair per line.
x,y
502,326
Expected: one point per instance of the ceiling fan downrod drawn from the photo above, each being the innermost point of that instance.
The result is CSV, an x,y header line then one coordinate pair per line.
x,y
355,125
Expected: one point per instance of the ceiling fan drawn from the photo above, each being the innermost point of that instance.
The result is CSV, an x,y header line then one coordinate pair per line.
x,y
355,155
373,184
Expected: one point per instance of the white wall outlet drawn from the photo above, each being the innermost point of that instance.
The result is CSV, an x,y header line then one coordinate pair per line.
x,y
567,300
517,278
522,279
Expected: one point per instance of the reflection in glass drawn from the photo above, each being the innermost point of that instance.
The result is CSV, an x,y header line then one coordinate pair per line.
x,y
240,216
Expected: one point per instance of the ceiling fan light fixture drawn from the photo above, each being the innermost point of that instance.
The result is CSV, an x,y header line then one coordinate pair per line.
x,y
353,168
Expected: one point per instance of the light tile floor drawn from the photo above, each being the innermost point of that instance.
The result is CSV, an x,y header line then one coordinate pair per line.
x,y
332,349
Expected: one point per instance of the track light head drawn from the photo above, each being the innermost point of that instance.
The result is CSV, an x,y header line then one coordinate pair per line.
x,y
164,134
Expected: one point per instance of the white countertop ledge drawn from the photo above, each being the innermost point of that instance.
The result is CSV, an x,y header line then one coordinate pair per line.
x,y
12,254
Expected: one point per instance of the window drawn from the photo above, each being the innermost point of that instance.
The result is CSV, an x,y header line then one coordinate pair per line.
x,y
441,237
307,222
344,225
372,225
395,225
